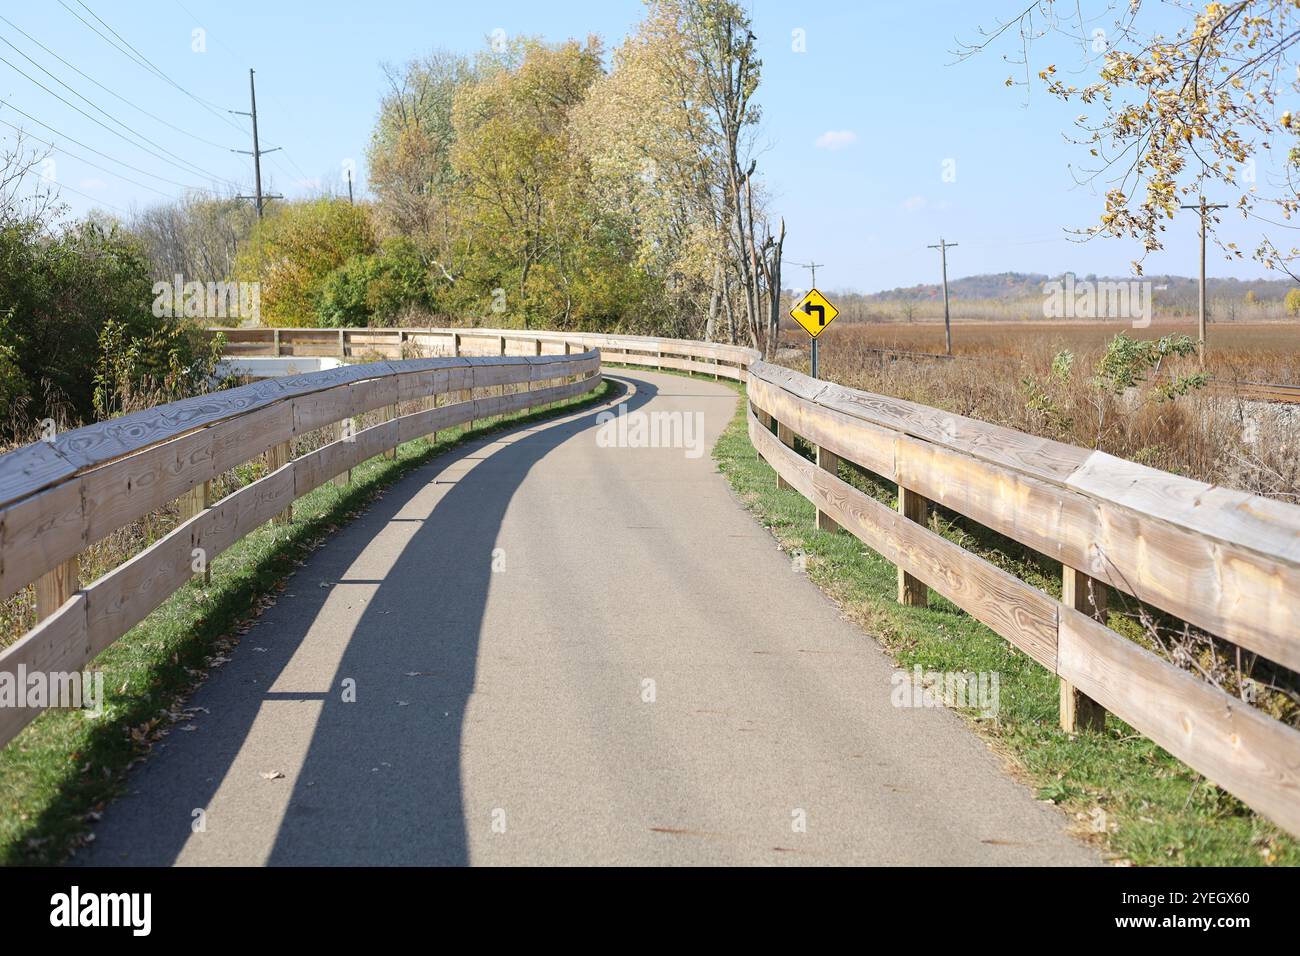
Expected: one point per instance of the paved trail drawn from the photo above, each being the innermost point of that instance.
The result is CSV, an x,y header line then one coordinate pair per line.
x,y
514,699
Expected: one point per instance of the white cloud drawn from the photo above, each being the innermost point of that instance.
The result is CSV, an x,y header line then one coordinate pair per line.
x,y
834,139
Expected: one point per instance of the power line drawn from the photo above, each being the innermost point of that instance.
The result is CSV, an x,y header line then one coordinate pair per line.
x,y
82,159
814,266
89,117
181,163
91,79
111,159
235,55
61,187
144,63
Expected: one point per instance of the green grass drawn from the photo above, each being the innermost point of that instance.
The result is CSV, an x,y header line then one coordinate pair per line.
x,y
57,775
1157,811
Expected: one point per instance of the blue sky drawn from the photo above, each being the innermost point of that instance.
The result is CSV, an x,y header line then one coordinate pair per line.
x,y
879,77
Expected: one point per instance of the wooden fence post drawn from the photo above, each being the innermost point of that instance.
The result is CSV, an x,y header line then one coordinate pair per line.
x,y
827,461
912,591
343,479
785,435
55,587
765,420
1087,595
198,498
343,348
276,458
528,386
388,413
275,339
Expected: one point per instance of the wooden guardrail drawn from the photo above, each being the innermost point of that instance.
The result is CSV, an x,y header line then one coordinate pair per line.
x,y
360,343
58,497
1223,561
723,361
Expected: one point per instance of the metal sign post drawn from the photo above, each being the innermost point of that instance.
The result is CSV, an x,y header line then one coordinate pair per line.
x,y
814,312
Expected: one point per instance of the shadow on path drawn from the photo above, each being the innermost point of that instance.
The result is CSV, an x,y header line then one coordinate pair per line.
x,y
380,780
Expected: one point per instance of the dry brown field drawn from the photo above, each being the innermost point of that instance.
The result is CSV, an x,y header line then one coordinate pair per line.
x,y
1251,351
1002,373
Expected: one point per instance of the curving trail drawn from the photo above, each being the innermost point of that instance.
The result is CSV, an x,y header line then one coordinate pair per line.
x,y
513,699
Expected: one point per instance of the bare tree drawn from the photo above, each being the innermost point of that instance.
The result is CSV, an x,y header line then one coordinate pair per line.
x,y
25,194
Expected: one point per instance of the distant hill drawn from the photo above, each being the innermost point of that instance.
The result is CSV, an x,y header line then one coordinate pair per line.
x,y
1012,286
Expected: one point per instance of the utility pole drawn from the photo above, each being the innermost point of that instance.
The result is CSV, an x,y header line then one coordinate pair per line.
x,y
350,202
943,248
1203,208
815,354
257,152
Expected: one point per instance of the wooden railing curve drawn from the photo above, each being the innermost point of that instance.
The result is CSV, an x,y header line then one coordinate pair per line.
x,y
1222,560
59,497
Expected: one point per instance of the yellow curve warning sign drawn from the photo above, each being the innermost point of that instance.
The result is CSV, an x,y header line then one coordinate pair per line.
x,y
814,312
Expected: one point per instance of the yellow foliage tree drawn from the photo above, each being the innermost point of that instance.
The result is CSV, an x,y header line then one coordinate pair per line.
x,y
294,249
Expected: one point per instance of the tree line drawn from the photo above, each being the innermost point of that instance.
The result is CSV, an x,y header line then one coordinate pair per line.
x,y
530,185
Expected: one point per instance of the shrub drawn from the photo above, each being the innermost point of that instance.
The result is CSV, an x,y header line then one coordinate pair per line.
x,y
169,362
294,251
63,293
374,289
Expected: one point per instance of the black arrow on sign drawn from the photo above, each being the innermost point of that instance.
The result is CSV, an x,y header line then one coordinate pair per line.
x,y
809,309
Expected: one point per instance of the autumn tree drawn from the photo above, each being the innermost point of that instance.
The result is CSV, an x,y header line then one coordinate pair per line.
x,y
295,249
1172,116
410,168
522,177
542,189
653,162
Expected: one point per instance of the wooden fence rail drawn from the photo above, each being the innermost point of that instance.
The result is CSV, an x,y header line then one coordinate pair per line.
x,y
59,497
1224,561
403,343
1221,560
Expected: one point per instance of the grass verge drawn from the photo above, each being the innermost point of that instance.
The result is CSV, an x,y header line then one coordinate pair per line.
x,y
1122,792
57,775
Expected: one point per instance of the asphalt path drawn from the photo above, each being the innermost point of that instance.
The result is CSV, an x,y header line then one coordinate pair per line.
x,y
551,647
